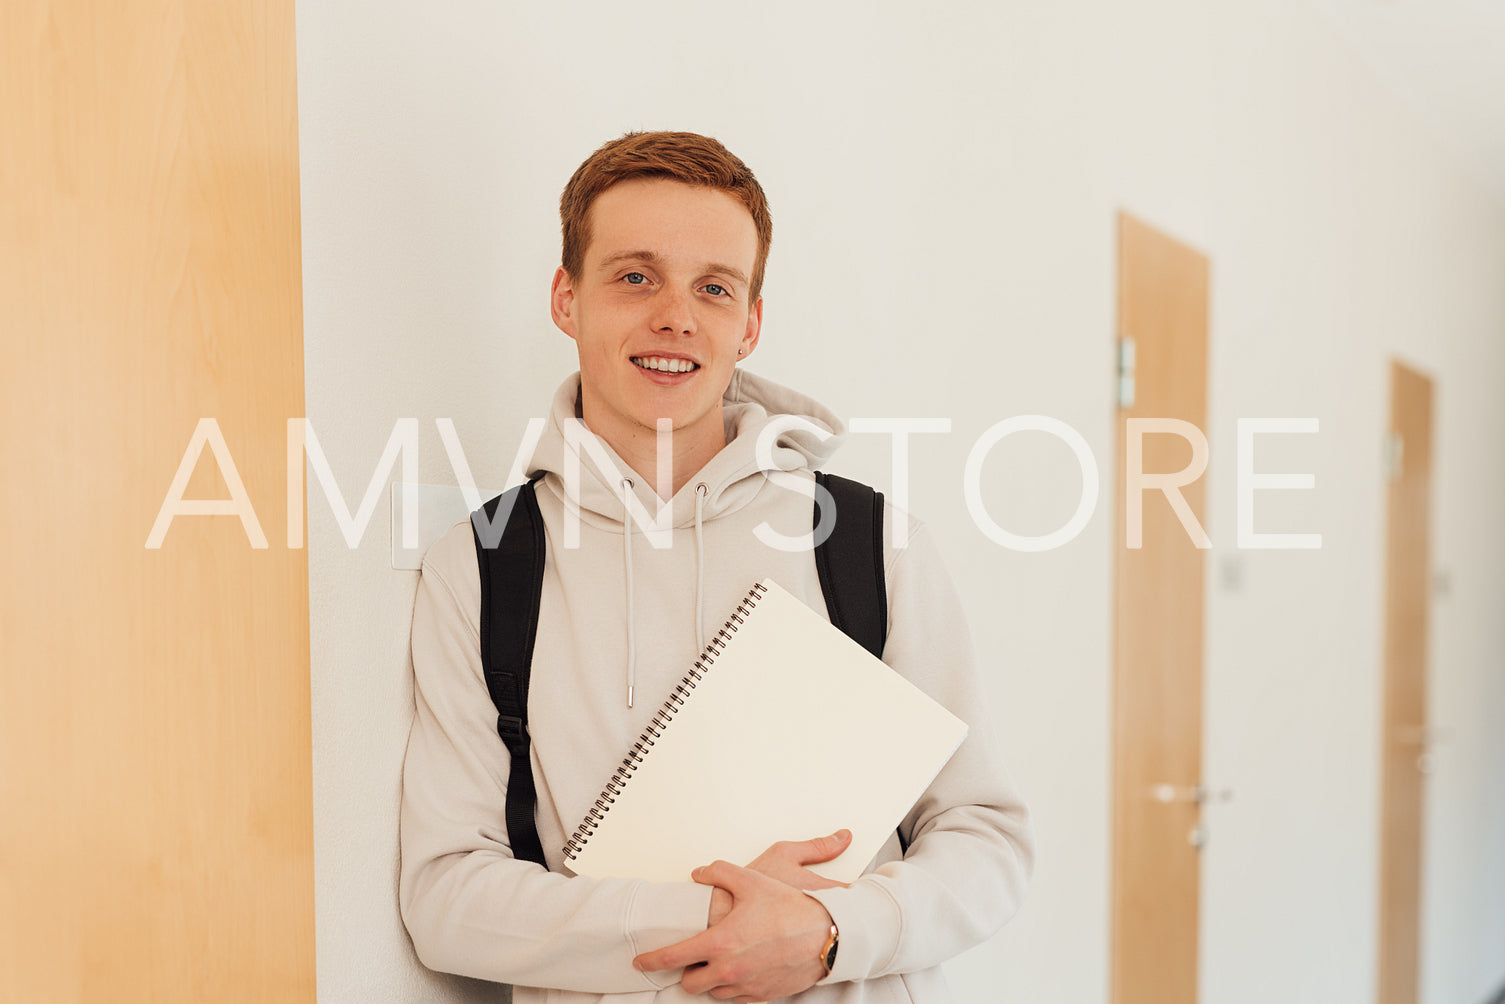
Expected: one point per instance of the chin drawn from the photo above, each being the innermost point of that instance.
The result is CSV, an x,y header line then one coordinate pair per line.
x,y
679,418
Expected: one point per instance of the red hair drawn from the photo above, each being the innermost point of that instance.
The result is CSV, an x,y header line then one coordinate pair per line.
x,y
680,156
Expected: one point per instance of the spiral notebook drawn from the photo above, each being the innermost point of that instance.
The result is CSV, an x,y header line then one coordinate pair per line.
x,y
784,729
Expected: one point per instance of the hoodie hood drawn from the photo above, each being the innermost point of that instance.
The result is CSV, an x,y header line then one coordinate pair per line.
x,y
797,433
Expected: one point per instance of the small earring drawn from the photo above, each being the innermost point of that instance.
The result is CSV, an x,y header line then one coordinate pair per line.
x,y
740,351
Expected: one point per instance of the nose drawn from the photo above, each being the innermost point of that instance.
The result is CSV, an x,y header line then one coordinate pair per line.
x,y
673,312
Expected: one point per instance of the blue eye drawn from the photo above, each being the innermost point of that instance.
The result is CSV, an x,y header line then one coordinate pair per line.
x,y
635,278
715,289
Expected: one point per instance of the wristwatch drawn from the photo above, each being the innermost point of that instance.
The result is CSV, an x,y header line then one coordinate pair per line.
x,y
828,954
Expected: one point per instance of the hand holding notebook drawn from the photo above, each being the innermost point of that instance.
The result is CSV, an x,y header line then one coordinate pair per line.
x,y
784,729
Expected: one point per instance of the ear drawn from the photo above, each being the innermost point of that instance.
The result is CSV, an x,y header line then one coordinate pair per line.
x,y
754,328
562,302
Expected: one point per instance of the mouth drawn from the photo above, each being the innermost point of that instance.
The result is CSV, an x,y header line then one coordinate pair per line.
x,y
667,365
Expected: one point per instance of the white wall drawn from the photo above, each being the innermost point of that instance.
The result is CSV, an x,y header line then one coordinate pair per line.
x,y
944,188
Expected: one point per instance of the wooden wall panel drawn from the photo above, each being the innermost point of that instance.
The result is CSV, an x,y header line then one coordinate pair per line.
x,y
156,835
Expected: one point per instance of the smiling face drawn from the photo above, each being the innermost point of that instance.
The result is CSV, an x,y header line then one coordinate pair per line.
x,y
658,312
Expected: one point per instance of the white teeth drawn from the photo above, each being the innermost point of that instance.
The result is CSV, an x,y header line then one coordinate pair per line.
x,y
664,365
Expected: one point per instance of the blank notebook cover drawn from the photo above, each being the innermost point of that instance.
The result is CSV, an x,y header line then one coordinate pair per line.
x,y
784,729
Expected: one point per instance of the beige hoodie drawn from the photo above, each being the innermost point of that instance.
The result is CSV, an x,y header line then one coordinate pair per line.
x,y
638,608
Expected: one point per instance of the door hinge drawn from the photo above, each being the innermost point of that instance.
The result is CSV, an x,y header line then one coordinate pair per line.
x,y
1395,449
1126,372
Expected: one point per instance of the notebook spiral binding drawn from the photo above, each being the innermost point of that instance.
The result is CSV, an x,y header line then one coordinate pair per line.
x,y
661,720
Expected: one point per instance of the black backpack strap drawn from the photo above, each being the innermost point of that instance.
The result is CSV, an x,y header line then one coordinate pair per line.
x,y
850,562
850,565
510,548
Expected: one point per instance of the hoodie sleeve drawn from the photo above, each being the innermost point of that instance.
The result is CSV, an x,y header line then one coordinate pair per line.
x,y
469,906
972,841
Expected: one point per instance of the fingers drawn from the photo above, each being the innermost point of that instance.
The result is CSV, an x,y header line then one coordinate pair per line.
x,y
820,849
725,875
676,956
786,861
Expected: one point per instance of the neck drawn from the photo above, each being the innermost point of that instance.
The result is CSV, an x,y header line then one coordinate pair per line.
x,y
692,448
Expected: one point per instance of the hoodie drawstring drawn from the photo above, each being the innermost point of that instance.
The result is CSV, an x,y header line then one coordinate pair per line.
x,y
701,491
627,563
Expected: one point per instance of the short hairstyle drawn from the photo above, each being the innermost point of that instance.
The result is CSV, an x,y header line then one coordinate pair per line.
x,y
680,156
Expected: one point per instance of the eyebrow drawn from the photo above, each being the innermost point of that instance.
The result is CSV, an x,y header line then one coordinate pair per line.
x,y
654,258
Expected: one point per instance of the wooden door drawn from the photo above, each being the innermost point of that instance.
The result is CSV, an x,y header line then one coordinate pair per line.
x,y
156,805
1157,704
1404,756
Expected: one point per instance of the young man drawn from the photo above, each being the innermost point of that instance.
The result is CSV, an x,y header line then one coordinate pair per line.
x,y
665,240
